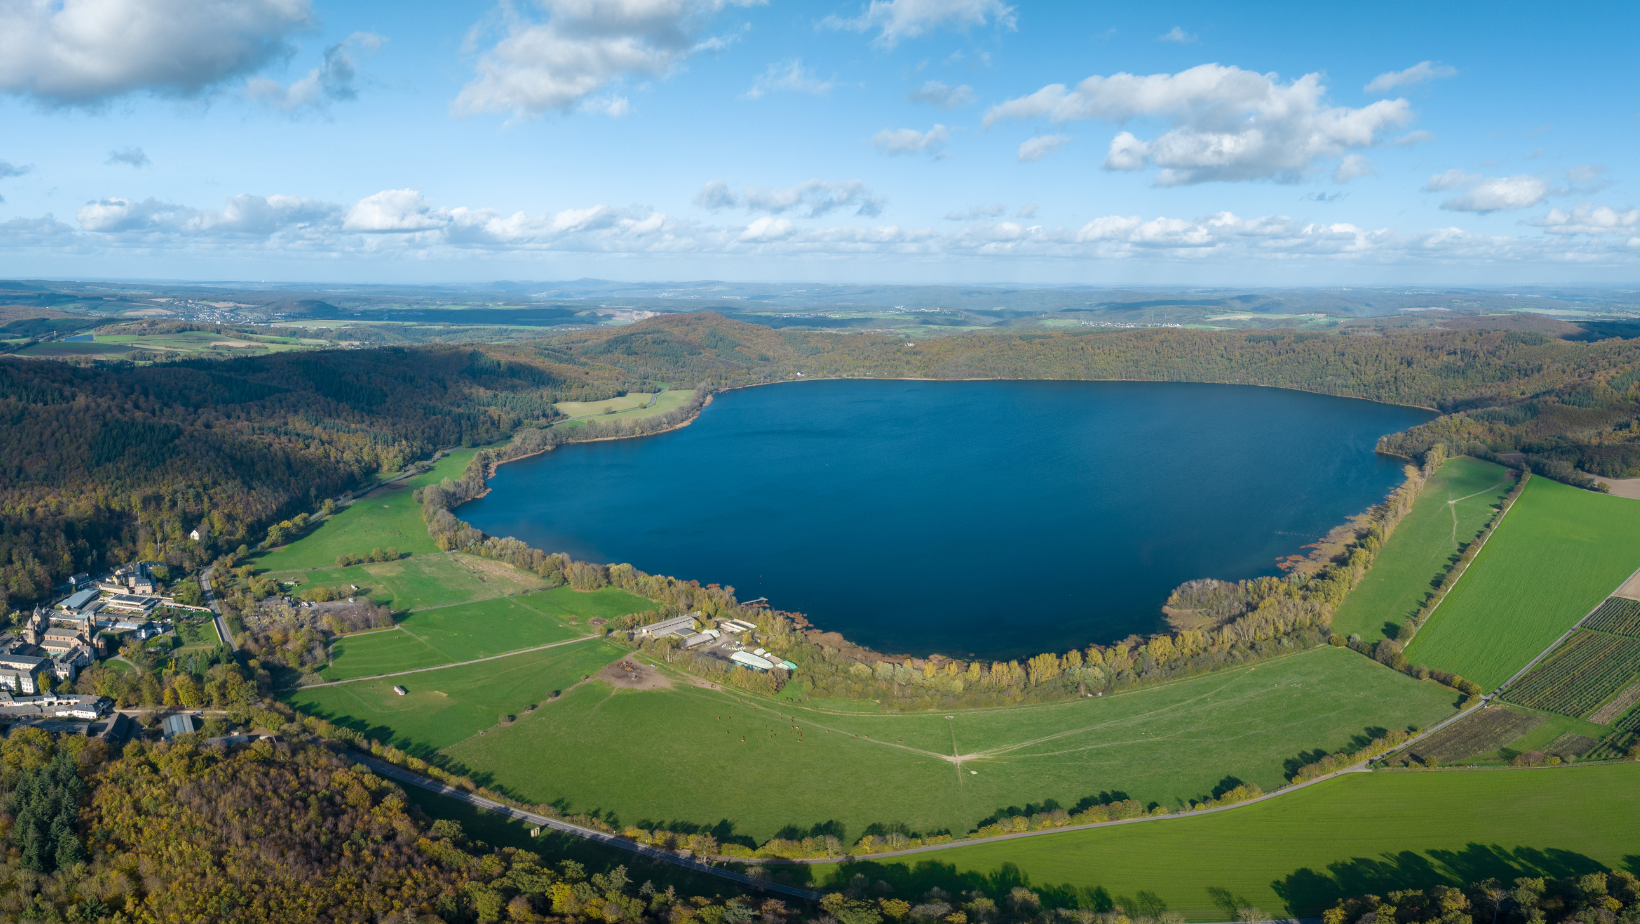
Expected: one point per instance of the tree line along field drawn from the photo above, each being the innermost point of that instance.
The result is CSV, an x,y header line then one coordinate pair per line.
x,y
466,631
1451,510
385,518
677,754
1296,855
1555,555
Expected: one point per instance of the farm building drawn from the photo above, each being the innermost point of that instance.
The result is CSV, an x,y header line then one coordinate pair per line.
x,y
750,660
678,625
174,725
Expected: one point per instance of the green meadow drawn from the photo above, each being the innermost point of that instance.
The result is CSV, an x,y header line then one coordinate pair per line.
x,y
442,707
1558,552
677,755
440,579
668,401
1449,513
467,631
1297,855
385,518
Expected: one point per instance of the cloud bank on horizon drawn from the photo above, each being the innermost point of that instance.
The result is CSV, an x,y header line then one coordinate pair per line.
x,y
308,139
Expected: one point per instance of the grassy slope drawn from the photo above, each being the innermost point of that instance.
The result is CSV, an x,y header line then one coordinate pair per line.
x,y
440,579
669,401
1423,547
1298,854
477,630
445,706
1556,555
597,749
635,399
386,518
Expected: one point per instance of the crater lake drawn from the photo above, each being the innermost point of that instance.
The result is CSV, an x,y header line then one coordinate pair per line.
x,y
972,519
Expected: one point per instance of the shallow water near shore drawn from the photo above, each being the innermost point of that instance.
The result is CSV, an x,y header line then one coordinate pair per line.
x,y
972,519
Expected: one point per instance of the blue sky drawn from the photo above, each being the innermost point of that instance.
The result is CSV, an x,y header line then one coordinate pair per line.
x,y
896,141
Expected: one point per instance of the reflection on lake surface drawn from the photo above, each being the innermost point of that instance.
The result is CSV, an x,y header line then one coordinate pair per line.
x,y
974,519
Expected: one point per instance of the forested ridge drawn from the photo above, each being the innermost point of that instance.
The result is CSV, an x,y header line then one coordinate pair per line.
x,y
115,460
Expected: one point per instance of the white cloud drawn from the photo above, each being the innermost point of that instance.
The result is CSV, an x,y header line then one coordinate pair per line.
x,y
581,48
134,157
86,52
911,141
332,81
768,229
256,216
1353,166
897,20
1418,73
1177,34
1028,211
819,197
1488,194
1227,124
1590,220
974,213
935,93
1041,146
391,211
1411,138
8,170
788,75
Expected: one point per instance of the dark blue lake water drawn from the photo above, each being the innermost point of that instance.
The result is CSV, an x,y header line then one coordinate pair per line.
x,y
973,519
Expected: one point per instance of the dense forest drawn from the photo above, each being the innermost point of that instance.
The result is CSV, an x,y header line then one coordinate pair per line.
x,y
116,460
1591,898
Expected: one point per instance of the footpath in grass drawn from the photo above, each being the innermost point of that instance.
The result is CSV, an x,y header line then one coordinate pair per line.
x,y
385,518
1297,855
478,630
1557,554
445,706
1450,512
600,749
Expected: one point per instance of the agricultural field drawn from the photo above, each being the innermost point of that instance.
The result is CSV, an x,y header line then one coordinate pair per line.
x,y
446,706
1580,675
727,756
425,581
385,518
467,631
1557,554
627,402
210,343
1449,513
1481,734
1297,855
666,401
1619,616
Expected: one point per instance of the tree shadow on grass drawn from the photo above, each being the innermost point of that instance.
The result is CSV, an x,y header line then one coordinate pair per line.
x,y
1307,892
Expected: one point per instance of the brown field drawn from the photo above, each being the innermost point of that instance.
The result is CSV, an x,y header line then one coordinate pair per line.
x,y
1617,705
1482,733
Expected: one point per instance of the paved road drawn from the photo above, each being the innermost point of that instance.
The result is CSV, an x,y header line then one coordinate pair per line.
x,y
609,840
210,600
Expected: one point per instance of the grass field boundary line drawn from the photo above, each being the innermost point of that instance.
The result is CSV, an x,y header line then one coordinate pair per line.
x,y
1565,635
436,667
609,840
1463,567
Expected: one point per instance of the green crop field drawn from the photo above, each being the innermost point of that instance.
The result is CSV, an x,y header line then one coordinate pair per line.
x,y
1297,855
445,706
1451,511
418,583
476,630
1556,554
677,754
1580,675
386,518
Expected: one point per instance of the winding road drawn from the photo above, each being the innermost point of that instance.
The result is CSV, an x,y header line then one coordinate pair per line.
x,y
216,611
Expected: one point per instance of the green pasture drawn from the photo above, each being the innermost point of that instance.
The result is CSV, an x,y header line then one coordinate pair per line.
x,y
424,581
198,635
627,402
1297,855
668,401
1450,512
199,341
477,630
1558,552
385,518
445,706
676,755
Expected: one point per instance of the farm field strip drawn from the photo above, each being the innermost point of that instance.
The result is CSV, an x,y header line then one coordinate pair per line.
x,y
1554,557
1618,615
1580,675
1482,732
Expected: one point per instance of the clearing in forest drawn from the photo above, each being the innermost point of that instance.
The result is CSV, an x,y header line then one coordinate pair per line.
x,y
1297,855
1558,552
1449,513
678,754
386,518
